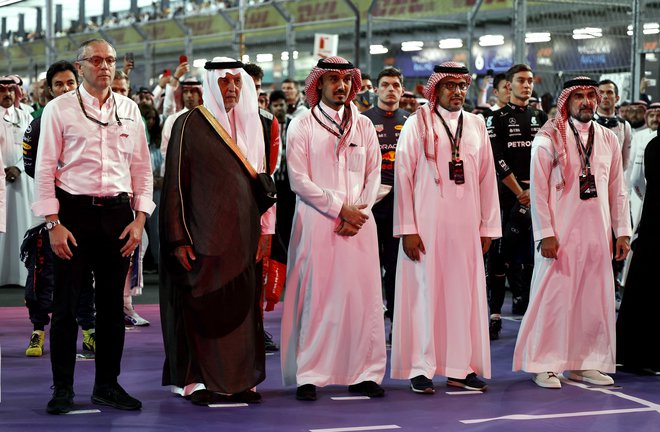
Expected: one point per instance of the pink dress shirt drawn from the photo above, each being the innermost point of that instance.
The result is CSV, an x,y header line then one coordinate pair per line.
x,y
84,158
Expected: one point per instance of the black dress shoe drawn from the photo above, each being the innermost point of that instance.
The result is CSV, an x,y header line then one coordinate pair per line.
x,y
247,396
306,392
206,397
62,401
367,388
114,396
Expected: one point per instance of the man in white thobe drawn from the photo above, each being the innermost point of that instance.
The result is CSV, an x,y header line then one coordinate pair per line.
x,y
578,197
446,220
332,324
3,198
18,186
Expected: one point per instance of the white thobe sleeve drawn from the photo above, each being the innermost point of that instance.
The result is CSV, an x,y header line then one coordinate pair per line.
x,y
407,155
634,144
491,225
3,200
540,175
618,196
372,166
165,141
637,179
169,103
627,145
324,201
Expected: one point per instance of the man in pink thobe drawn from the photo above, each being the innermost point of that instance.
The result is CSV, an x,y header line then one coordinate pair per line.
x,y
332,324
578,197
446,211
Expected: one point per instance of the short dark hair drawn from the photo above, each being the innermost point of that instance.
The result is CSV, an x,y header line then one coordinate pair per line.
x,y
291,81
254,71
608,81
520,67
390,72
365,76
498,79
57,67
276,95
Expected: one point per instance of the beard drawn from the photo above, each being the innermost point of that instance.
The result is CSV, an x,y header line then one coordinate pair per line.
x,y
637,124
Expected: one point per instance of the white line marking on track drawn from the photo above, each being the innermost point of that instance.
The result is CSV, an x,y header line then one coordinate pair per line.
x,y
345,398
559,415
606,390
88,411
357,428
228,405
464,392
649,406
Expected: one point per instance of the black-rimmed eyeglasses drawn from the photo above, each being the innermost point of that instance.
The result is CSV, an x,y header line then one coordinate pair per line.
x,y
451,86
96,61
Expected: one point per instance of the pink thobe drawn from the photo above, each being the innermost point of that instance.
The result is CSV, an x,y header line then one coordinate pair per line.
x,y
570,321
332,324
441,310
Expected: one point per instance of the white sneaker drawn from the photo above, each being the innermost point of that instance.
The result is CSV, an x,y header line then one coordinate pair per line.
x,y
589,376
132,318
547,380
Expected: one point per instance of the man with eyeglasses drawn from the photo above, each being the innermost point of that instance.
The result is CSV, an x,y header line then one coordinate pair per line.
x,y
94,170
18,185
446,213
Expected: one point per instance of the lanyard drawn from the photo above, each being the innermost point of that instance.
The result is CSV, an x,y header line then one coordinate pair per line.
x,y
98,122
455,141
15,124
341,127
584,151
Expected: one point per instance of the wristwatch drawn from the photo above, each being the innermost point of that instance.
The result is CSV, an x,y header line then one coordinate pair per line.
x,y
52,224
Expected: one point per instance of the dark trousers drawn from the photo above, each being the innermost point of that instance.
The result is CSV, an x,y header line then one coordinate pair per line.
x,y
388,249
286,207
510,259
96,230
39,291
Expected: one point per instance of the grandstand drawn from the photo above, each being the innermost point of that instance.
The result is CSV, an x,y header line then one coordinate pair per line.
x,y
558,38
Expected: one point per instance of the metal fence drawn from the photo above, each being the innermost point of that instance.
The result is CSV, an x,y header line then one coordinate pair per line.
x,y
559,38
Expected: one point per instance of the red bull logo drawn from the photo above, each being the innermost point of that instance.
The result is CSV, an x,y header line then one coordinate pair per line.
x,y
389,156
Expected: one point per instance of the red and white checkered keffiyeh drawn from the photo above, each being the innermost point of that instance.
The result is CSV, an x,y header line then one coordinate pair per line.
x,y
324,66
313,94
555,129
424,113
446,69
655,106
13,82
192,84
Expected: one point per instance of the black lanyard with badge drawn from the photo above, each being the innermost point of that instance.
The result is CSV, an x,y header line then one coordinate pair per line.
x,y
340,127
587,180
456,169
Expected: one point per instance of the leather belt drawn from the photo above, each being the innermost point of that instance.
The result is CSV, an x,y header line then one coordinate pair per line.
x,y
96,201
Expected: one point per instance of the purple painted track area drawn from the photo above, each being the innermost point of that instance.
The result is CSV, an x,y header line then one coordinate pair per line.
x,y
633,406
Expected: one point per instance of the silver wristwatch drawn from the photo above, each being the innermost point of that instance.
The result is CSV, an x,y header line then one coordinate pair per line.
x,y
52,224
